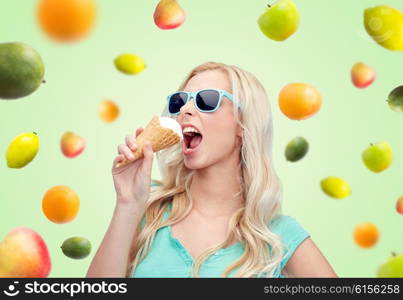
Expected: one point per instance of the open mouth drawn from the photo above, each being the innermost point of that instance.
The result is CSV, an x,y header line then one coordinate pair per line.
x,y
192,140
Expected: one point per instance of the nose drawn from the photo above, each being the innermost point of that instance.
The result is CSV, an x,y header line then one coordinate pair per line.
x,y
188,108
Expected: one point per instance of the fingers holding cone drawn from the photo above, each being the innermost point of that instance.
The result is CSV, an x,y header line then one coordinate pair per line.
x,y
139,130
117,159
129,150
148,159
133,150
161,133
131,139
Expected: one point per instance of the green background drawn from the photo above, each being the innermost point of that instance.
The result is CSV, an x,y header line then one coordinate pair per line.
x,y
330,39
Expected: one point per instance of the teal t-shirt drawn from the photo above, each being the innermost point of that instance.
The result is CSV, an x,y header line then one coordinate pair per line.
x,y
169,258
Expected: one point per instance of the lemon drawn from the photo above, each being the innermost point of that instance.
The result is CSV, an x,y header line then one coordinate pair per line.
x,y
335,187
129,63
22,150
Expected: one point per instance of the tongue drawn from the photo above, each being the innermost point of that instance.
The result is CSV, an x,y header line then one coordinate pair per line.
x,y
195,141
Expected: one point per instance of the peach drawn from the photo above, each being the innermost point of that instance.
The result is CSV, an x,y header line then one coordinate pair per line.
x,y
399,205
168,14
362,75
71,144
23,253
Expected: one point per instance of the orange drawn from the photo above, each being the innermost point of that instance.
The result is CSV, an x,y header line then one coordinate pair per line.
x,y
66,20
366,235
299,101
60,204
108,111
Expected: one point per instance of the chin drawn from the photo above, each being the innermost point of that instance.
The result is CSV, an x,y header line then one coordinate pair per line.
x,y
193,165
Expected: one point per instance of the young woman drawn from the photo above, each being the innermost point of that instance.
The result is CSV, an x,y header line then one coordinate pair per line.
x,y
217,210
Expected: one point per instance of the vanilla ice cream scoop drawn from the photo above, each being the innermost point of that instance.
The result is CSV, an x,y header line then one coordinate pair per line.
x,y
167,122
161,132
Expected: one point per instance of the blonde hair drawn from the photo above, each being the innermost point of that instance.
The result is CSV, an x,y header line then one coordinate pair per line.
x,y
260,186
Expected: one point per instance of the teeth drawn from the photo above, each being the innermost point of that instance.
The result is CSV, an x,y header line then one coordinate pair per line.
x,y
190,129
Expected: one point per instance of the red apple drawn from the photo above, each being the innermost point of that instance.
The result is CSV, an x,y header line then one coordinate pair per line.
x,y
362,75
168,14
23,253
399,205
71,144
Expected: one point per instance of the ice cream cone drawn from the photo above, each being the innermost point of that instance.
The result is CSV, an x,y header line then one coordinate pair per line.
x,y
159,136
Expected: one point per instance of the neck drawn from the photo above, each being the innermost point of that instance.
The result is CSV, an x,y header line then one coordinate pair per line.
x,y
216,190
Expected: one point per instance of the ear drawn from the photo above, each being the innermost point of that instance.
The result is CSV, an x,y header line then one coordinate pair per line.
x,y
239,131
239,135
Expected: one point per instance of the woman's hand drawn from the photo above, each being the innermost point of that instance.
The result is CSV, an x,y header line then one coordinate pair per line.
x,y
132,180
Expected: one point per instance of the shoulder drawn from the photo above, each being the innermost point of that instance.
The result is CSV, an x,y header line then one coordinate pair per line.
x,y
291,232
285,224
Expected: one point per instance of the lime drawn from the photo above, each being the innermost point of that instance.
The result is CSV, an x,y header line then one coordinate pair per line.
x,y
76,247
296,149
395,99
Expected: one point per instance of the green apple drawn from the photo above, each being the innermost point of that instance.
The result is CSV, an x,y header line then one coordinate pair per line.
x,y
280,20
378,157
393,268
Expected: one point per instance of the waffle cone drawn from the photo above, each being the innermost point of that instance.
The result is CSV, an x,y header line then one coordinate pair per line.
x,y
159,137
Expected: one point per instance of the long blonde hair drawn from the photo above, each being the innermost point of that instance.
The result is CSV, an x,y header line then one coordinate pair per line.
x,y
260,186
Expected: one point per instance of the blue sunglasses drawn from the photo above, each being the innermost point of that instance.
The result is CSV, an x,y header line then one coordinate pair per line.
x,y
207,100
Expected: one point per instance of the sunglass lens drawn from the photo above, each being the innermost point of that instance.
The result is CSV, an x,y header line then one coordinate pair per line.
x,y
207,100
176,101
